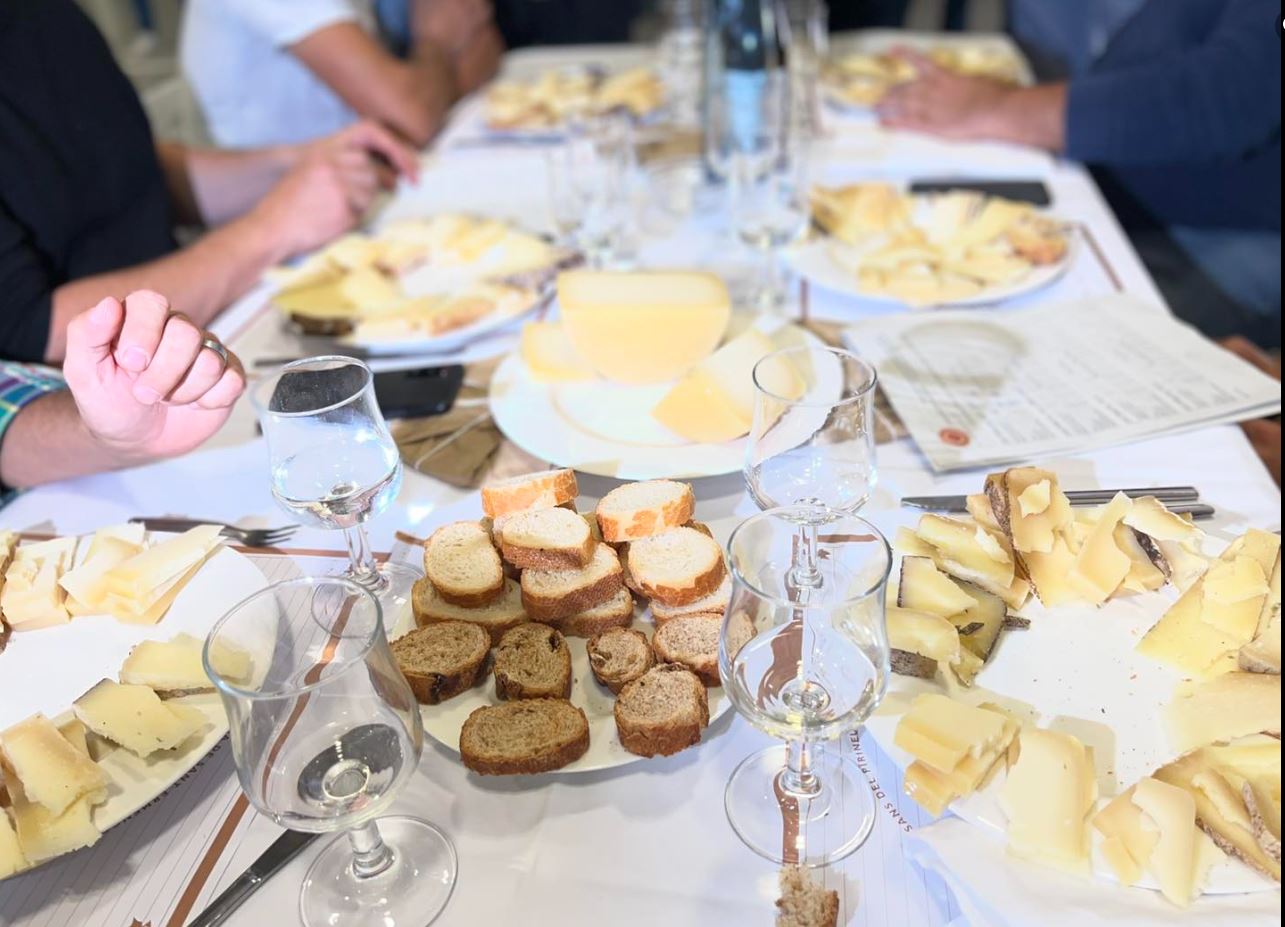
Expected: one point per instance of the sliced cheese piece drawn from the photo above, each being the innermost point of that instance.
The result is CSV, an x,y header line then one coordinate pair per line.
x,y
1100,565
1229,706
1047,798
175,667
151,608
1271,613
1183,562
154,567
549,355
1035,498
979,507
968,551
1127,842
31,597
923,587
1183,640
136,718
1234,594
643,326
86,585
907,542
1143,575
1149,515
923,633
988,611
366,288
43,835
966,668
1050,573
11,858
322,300
930,789
1254,756
1032,531
52,771
1262,546
130,532
941,731
1182,855
1263,653
1228,800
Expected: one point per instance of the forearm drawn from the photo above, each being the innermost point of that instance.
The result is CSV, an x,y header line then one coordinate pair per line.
x,y
212,186
477,63
48,441
1031,116
200,280
426,91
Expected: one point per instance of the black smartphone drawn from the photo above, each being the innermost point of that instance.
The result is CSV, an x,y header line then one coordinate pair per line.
x,y
1023,191
418,393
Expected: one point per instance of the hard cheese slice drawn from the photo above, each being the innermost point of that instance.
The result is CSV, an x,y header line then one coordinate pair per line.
x,y
1127,841
142,574
925,588
941,731
1229,706
1100,565
175,667
1182,639
1048,796
1050,573
52,771
1183,855
11,857
86,585
44,835
968,551
135,717
923,633
1035,513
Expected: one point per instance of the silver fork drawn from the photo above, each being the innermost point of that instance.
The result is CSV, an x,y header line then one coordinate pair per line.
x,y
247,537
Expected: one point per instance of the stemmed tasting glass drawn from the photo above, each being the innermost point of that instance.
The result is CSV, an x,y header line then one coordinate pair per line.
x,y
816,668
803,27
590,192
325,732
567,197
770,209
334,463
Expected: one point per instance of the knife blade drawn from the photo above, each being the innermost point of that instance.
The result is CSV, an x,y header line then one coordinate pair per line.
x,y
1166,494
283,849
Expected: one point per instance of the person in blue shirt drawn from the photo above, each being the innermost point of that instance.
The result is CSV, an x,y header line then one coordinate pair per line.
x,y
1176,105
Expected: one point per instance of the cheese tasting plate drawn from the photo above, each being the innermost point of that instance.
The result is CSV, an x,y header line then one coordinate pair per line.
x,y
443,722
1076,670
46,669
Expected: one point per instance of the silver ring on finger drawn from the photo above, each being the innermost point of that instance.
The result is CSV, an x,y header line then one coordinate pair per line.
x,y
215,345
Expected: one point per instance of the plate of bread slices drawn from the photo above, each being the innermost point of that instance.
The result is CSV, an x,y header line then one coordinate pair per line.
x,y
1097,687
550,639
958,248
106,703
429,283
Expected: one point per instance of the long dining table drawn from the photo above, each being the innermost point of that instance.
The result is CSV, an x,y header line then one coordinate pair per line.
x,y
647,843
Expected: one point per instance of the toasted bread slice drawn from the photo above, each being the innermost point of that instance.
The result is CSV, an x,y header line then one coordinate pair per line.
x,y
532,661
462,565
678,567
692,641
519,738
543,490
548,595
626,577
494,617
546,539
639,510
701,527
713,604
619,656
662,711
804,903
616,612
442,660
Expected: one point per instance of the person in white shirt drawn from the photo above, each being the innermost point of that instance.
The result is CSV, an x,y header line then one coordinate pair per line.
x,y
269,72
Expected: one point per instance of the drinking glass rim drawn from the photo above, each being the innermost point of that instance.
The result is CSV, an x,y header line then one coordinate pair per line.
x,y
739,576
817,403
277,374
227,687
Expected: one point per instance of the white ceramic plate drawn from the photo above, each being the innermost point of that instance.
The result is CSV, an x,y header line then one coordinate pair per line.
x,y
47,669
813,260
1076,670
438,344
443,722
602,428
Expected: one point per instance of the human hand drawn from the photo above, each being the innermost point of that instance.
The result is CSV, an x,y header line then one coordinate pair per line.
x,y
331,185
144,381
943,103
449,24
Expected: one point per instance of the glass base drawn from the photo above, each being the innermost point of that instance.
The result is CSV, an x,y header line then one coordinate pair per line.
x,y
392,589
409,893
800,829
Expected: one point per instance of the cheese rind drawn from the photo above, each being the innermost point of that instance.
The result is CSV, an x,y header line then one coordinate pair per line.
x,y
52,771
136,718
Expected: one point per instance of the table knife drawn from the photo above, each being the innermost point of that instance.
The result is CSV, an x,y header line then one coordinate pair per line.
x,y
283,849
1166,494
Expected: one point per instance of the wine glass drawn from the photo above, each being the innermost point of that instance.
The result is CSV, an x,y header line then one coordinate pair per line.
x,y
589,185
804,35
812,441
566,194
815,668
770,209
325,732
333,462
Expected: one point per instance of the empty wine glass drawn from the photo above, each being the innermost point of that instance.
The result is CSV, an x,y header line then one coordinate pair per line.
x,y
333,461
770,210
815,668
812,441
567,195
590,176
325,731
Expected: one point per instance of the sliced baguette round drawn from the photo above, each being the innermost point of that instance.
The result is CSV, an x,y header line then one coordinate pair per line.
x,y
804,902
691,642
662,711
546,539
619,656
495,617
548,595
543,490
442,660
639,510
616,612
532,661
462,564
525,737
677,567
714,603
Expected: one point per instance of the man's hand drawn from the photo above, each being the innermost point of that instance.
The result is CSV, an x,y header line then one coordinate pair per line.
x,y
941,102
449,24
331,186
144,382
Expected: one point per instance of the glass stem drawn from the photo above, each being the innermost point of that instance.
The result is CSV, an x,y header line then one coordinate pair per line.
x,y
361,559
774,280
805,573
370,855
798,778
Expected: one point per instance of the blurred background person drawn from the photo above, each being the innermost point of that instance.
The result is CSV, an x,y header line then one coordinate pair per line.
x,y
89,201
269,72
141,383
1176,104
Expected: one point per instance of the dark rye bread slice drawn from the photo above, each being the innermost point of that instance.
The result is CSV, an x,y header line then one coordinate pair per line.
x,y
462,564
520,738
441,660
676,567
548,595
616,612
662,711
532,661
546,539
619,656
495,617
693,641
